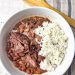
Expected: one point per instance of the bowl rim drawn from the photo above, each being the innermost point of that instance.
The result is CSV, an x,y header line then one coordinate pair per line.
x,y
35,7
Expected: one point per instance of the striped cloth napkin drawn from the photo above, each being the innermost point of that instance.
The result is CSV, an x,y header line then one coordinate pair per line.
x,y
65,6
9,7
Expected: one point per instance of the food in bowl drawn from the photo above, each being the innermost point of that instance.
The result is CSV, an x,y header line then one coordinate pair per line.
x,y
36,45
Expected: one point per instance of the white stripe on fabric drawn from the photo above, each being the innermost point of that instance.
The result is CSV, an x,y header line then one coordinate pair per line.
x,y
50,2
64,6
73,9
55,3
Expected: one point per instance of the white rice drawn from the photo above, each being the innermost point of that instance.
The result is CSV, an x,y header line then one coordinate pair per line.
x,y
53,43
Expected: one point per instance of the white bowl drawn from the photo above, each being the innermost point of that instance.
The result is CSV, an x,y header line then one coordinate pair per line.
x,y
39,11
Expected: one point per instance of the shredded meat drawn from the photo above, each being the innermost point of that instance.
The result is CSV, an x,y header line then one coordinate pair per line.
x,y
22,47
